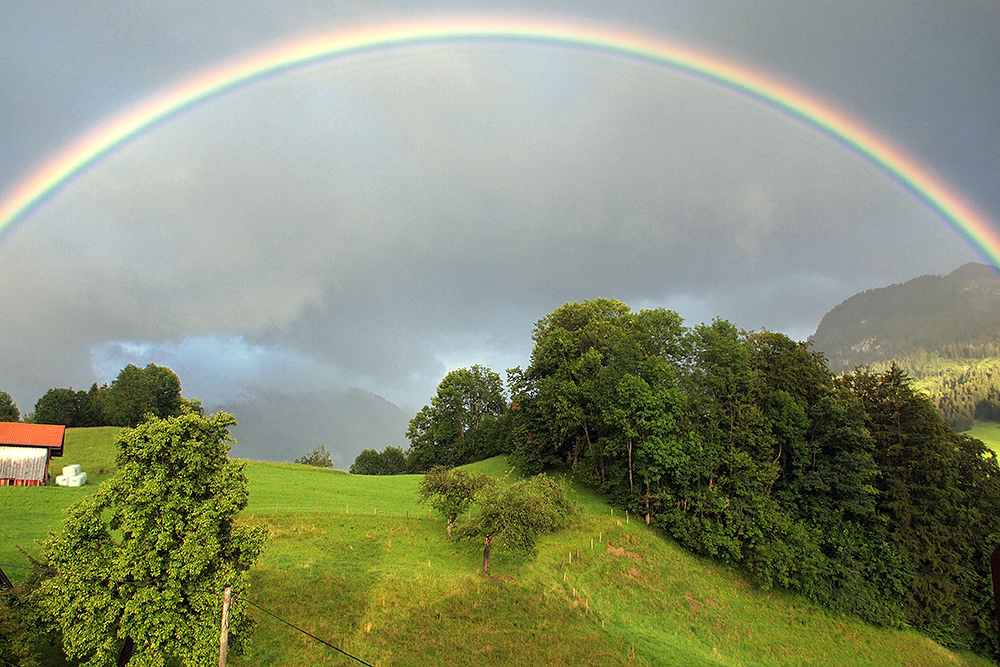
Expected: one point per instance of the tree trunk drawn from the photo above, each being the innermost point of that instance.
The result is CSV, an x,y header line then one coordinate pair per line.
x,y
486,556
631,486
447,526
126,653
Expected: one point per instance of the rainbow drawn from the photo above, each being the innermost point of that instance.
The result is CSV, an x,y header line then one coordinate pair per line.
x,y
89,149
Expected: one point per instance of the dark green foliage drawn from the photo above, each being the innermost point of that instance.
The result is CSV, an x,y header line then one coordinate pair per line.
x,y
940,493
146,557
24,628
8,408
392,461
58,406
742,445
318,457
137,392
460,424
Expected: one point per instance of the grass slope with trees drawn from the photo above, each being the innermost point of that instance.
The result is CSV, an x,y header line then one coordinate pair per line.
x,y
356,561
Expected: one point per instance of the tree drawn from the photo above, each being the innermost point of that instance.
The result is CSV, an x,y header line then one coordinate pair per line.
x,y
514,516
450,492
140,565
390,462
456,427
318,457
137,392
57,406
8,408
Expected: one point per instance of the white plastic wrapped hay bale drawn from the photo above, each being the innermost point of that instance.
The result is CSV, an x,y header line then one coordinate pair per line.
x,y
77,480
70,471
62,480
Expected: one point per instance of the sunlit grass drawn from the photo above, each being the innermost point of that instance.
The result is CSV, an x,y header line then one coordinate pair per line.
x,y
606,590
988,432
358,561
30,512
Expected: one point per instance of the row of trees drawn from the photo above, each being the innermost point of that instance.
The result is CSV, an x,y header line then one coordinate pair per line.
x,y
963,389
742,445
851,490
135,393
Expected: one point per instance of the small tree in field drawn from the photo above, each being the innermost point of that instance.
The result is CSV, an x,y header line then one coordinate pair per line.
x,y
450,491
515,516
318,457
141,563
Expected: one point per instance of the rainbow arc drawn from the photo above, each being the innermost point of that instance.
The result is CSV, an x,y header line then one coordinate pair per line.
x,y
793,102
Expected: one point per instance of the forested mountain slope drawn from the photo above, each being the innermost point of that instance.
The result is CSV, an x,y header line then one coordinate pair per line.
x,y
943,331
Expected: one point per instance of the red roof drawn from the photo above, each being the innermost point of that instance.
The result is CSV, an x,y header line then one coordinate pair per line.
x,y
34,435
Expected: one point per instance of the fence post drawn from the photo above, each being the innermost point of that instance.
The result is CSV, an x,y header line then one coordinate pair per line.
x,y
224,636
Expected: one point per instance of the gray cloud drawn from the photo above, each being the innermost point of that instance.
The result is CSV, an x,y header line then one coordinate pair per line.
x,y
377,222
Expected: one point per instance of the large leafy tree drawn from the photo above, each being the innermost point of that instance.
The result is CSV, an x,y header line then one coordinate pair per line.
x,y
139,567
8,408
137,392
459,425
598,372
57,406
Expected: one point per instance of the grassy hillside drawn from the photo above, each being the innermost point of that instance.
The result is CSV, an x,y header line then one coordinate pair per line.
x,y
355,560
29,513
988,432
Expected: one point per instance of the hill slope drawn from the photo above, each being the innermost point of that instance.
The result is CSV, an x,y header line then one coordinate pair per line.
x,y
355,560
959,313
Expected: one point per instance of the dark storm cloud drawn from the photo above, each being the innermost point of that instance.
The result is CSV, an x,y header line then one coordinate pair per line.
x,y
380,223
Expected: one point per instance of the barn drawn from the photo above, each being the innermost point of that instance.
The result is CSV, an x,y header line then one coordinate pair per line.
x,y
25,452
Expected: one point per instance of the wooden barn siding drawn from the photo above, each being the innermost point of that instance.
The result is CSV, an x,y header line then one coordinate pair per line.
x,y
23,466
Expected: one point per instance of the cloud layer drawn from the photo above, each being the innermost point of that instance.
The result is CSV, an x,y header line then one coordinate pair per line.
x,y
377,223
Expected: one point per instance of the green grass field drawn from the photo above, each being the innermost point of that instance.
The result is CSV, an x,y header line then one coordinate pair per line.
x,y
988,432
357,561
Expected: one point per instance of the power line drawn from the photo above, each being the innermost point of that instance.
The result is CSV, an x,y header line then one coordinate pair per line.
x,y
307,633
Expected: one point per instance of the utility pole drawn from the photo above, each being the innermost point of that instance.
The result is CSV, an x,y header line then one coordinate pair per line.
x,y
224,637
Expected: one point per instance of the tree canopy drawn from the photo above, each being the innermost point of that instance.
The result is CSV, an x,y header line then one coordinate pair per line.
x,y
318,457
392,461
514,516
137,392
460,424
744,447
8,408
139,568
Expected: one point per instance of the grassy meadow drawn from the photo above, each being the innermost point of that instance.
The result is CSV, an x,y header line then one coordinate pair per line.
x,y
988,432
357,561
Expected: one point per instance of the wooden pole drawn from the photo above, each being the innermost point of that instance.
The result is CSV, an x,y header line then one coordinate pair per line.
x,y
224,636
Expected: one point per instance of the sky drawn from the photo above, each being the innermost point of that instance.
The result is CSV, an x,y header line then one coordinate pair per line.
x,y
375,222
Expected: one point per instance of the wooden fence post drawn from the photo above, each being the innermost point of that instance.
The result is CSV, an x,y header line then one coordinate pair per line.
x,y
224,636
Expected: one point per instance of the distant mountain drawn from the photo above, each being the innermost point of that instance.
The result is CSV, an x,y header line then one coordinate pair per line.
x,y
957,315
281,427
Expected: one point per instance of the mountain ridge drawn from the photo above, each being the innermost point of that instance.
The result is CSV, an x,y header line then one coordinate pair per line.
x,y
929,313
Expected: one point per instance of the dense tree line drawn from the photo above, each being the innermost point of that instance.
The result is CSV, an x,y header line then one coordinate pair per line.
x,y
135,393
742,445
963,388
